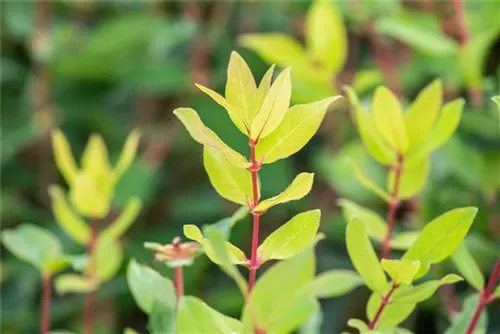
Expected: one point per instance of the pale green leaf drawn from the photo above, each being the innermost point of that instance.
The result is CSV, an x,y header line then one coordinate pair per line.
x,y
162,318
63,156
299,187
393,314
312,324
262,91
108,256
87,196
367,79
412,180
367,183
404,240
326,37
363,256
496,99
95,159
421,292
232,183
401,271
360,325
76,228
226,224
73,283
334,283
299,125
291,238
207,137
473,55
293,315
274,106
368,132
469,307
375,226
441,237
423,112
147,286
241,89
128,154
388,118
468,267
124,220
194,316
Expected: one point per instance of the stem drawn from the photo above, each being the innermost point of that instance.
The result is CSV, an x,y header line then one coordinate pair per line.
x,y
90,297
45,315
385,302
393,206
485,297
460,21
256,217
178,282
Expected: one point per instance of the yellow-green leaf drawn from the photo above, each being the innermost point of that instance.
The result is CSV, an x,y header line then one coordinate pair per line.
x,y
363,256
375,226
95,159
413,178
274,106
123,222
360,325
389,120
73,283
468,267
299,187
334,283
446,124
404,240
262,91
63,156
241,89
367,183
326,37
108,256
419,120
128,153
299,125
76,228
393,314
87,198
401,271
232,183
207,137
291,238
421,292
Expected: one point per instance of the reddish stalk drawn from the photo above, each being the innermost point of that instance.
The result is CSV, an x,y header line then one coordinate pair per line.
x,y
89,310
45,316
254,169
393,206
460,21
485,297
385,301
179,282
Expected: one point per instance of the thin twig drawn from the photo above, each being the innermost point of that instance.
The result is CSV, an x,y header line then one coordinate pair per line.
x,y
45,312
254,169
385,301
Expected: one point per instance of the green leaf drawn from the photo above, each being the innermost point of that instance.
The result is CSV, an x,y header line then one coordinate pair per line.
x,y
388,118
73,283
63,156
241,89
274,106
363,256
421,292
441,237
194,316
313,324
413,178
109,256
367,183
162,318
496,99
393,314
375,226
226,224
360,325
497,292
468,267
326,36
275,296
217,243
401,271
123,222
262,92
404,240
127,330
423,112
334,283
148,286
76,228
207,137
128,154
469,307
36,246
299,187
232,183
291,238
299,125
236,255
368,132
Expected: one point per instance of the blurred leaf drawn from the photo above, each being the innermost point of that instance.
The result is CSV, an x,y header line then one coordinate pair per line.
x,y
162,318
369,184
413,178
63,156
375,226
118,227
393,314
360,325
334,283
365,80
468,267
108,257
127,154
73,283
404,240
421,292
468,309
401,271
225,224
312,325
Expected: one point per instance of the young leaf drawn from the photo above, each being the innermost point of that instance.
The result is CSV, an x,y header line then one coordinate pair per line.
x,y
232,183
441,237
299,125
367,183
123,222
419,120
128,154
194,316
393,314
109,256
363,256
63,156
421,292
274,106
468,267
446,124
360,325
148,286
404,240
207,137
368,132
469,307
401,271
389,120
293,315
73,283
241,89
262,92
299,187
291,238
413,178
326,37
76,228
162,318
334,283
95,158
375,226
87,197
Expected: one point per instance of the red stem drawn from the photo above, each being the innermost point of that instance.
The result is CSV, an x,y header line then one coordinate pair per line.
x,y
393,206
485,297
91,276
179,282
45,316
460,21
383,304
254,169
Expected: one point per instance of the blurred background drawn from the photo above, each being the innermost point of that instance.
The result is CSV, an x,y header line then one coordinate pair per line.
x,y
109,67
